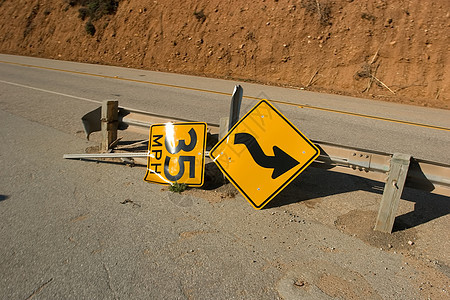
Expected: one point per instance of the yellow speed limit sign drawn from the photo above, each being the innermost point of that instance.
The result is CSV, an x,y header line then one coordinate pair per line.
x,y
176,153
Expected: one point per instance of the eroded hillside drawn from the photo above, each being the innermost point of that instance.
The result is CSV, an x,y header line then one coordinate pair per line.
x,y
382,49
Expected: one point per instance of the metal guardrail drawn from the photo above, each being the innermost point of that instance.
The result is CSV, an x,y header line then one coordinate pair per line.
x,y
422,174
142,119
396,170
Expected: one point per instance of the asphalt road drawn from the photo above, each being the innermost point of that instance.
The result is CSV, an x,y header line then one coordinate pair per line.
x,y
67,232
82,230
331,118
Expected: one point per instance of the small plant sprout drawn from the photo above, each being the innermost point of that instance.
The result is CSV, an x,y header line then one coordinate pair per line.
x,y
178,187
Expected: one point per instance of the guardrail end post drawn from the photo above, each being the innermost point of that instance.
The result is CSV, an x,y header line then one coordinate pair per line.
x,y
223,129
392,192
235,107
109,120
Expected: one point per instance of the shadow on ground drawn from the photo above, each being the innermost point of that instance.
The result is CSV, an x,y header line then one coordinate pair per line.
x,y
316,183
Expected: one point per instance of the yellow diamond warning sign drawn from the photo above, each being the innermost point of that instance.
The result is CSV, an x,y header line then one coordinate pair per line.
x,y
176,153
263,153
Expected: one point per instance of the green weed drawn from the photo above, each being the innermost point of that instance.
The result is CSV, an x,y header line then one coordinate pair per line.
x,y
178,187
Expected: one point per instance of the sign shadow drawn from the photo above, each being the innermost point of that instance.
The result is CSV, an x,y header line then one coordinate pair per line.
x,y
316,183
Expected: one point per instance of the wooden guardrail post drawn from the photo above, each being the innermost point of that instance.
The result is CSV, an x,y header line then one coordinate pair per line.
x,y
109,120
392,192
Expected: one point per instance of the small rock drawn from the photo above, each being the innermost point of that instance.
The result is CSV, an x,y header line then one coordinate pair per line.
x,y
388,22
299,283
410,243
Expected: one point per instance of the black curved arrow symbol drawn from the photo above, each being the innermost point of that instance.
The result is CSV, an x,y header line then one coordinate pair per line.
x,y
281,162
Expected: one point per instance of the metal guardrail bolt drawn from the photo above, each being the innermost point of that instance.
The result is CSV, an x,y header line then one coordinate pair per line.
x,y
394,184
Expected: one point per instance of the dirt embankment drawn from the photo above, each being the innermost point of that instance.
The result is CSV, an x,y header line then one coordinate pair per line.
x,y
395,50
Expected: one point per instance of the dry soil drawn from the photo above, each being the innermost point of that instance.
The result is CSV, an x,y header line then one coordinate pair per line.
x,y
382,49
